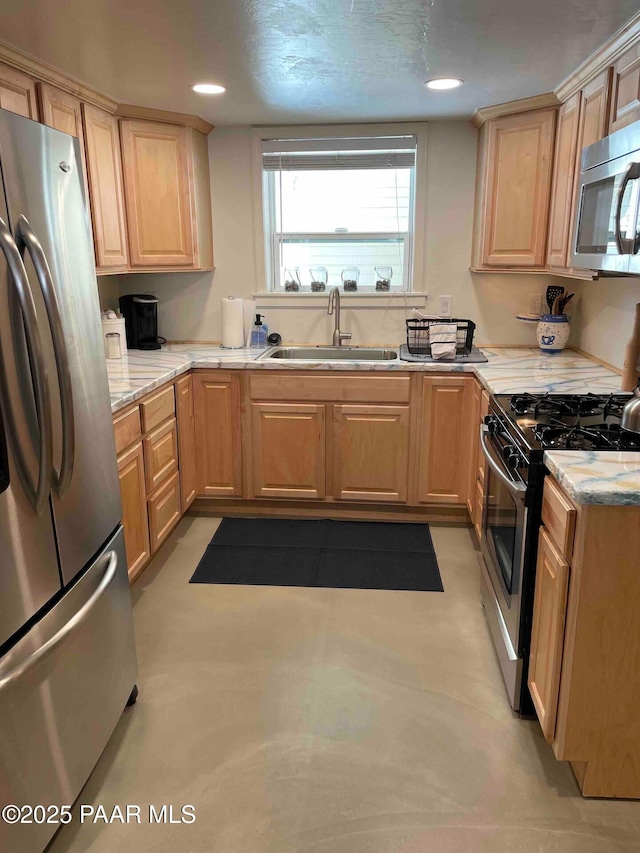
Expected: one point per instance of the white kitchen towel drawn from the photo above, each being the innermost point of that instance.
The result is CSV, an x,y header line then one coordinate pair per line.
x,y
443,338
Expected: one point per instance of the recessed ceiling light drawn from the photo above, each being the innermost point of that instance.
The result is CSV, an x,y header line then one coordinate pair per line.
x,y
209,88
442,83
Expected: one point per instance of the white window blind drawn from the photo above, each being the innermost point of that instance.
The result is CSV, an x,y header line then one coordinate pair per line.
x,y
338,203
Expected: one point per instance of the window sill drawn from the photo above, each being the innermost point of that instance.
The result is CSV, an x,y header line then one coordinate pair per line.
x,y
363,299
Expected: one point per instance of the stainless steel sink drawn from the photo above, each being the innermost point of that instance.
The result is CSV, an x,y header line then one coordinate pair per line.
x,y
331,353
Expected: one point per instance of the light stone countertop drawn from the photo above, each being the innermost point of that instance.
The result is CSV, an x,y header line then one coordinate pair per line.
x,y
509,370
597,476
589,477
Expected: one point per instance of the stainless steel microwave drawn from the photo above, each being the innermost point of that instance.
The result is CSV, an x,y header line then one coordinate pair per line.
x,y
606,234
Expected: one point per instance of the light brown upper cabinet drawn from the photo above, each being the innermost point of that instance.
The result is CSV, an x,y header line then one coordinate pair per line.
x,y
446,439
104,169
18,92
564,177
167,195
60,110
625,101
513,187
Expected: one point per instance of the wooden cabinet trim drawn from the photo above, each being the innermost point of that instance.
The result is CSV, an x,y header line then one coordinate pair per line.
x,y
186,440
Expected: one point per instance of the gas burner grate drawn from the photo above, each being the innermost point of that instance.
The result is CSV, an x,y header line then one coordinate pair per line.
x,y
603,436
563,405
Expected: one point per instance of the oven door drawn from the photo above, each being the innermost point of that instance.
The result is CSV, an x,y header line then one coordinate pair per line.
x,y
605,233
504,522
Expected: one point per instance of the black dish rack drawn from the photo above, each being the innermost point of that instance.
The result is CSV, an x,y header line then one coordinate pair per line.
x,y
419,338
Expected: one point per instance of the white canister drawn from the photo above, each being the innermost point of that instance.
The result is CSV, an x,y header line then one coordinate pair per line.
x,y
114,325
553,332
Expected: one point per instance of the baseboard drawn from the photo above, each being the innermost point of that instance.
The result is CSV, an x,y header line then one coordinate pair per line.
x,y
444,513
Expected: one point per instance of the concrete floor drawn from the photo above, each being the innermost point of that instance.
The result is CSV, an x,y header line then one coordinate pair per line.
x,y
331,721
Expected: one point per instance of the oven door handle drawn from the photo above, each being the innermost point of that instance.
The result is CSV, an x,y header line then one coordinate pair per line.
x,y
516,489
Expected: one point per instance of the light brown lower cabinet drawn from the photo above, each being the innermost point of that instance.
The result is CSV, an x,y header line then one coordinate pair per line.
x,y
585,644
446,445
371,453
552,583
134,508
216,397
164,511
186,440
288,450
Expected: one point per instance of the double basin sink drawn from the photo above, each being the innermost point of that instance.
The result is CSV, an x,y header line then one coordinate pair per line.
x,y
331,354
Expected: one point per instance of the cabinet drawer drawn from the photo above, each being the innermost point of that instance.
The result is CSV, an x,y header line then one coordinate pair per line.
x,y
164,511
127,429
328,388
160,454
559,517
158,408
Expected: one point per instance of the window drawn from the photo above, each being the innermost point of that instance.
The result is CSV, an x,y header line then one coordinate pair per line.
x,y
339,211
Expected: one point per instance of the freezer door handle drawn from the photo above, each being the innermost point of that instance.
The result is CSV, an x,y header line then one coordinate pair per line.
x,y
37,657
38,493
27,239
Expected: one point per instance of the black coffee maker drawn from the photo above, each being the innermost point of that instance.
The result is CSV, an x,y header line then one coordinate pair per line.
x,y
140,311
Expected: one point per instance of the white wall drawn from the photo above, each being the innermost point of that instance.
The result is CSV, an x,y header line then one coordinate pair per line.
x,y
190,302
607,309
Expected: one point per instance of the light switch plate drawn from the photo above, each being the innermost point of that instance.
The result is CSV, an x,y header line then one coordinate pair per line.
x,y
444,306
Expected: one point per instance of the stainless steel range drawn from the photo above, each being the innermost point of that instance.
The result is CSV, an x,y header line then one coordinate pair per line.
x,y
516,432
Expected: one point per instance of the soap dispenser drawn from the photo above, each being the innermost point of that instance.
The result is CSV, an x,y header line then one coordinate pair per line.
x,y
259,334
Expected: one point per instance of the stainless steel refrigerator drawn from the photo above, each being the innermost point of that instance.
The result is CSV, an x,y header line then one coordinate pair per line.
x,y
67,654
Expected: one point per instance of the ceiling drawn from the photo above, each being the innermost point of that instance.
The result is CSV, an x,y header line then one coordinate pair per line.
x,y
306,61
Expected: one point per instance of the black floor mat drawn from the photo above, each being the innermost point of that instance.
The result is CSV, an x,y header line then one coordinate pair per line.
x,y
344,554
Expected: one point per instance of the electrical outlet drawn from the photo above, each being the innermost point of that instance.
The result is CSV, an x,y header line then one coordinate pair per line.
x,y
535,303
444,306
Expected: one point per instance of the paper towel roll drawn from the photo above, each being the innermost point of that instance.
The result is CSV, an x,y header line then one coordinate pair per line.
x,y
232,322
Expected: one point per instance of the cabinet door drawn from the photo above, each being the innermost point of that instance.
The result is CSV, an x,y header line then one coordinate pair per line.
x,y
474,417
516,189
104,169
288,450
160,454
564,176
216,398
164,511
625,96
134,508
594,115
157,183
371,453
61,110
547,639
445,448
186,440
18,92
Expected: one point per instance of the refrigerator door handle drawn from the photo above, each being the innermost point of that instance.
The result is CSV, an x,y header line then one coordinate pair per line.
x,y
38,494
70,626
26,238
